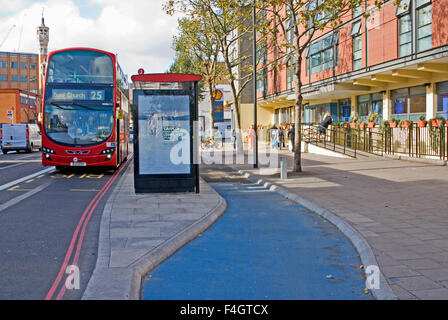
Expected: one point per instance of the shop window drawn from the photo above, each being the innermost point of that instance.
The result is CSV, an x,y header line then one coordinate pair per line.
x,y
407,103
363,105
442,97
370,103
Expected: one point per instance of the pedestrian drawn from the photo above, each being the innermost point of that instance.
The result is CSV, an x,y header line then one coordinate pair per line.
x,y
234,139
251,136
291,134
274,136
280,139
323,126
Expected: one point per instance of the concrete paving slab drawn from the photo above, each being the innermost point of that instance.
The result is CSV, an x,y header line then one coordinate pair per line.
x,y
402,199
138,232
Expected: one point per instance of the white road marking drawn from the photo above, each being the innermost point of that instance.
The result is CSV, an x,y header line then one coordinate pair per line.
x,y
18,199
31,176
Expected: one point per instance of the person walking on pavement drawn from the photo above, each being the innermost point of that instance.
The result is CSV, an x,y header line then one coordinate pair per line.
x,y
323,126
274,136
281,140
251,136
291,134
234,139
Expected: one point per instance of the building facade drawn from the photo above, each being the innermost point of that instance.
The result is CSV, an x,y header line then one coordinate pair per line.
x,y
19,70
19,106
394,63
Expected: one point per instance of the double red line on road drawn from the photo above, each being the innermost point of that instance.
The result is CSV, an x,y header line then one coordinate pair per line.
x,y
82,224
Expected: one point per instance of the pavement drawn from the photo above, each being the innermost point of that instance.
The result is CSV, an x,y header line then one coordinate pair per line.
x,y
396,209
139,231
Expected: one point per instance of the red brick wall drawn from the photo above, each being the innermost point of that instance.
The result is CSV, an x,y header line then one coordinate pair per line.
x,y
345,62
383,36
439,23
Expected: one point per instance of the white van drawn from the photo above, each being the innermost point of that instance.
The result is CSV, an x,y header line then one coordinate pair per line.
x,y
17,137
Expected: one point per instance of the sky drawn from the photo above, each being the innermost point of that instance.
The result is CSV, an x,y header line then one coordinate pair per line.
x,y
138,31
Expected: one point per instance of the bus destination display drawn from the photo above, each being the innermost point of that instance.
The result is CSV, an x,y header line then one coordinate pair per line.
x,y
77,94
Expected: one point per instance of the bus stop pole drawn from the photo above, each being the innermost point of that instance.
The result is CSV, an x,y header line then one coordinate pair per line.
x,y
196,139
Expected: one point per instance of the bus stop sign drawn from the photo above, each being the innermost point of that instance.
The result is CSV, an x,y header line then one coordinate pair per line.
x,y
166,106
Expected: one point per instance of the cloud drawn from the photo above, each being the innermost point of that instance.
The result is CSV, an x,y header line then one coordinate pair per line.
x,y
138,31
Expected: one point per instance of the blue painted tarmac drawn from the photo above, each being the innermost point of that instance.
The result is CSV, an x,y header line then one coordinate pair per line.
x,y
264,247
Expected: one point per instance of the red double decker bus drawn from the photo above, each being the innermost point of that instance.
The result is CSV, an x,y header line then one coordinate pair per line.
x,y
85,110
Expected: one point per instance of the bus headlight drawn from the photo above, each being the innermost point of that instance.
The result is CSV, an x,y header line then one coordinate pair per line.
x,y
48,150
108,151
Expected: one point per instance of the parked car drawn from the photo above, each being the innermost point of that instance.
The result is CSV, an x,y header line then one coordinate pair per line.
x,y
18,137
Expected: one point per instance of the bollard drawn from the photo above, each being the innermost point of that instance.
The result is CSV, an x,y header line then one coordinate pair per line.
x,y
283,168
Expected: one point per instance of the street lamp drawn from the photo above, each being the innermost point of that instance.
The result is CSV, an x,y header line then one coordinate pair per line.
x,y
254,20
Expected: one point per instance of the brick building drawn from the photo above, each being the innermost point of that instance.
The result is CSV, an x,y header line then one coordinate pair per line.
x,y
19,70
18,106
394,63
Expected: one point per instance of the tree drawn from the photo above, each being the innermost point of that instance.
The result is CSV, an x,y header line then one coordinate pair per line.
x,y
225,22
196,53
292,26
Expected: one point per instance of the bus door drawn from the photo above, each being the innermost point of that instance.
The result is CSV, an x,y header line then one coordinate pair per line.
x,y
118,143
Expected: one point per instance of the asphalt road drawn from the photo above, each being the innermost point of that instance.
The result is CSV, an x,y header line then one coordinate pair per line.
x,y
45,227
264,247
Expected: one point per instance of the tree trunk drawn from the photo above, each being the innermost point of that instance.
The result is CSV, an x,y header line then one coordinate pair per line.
x,y
212,110
236,114
298,117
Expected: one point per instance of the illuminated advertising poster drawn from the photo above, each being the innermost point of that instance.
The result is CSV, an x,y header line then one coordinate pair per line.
x,y
164,134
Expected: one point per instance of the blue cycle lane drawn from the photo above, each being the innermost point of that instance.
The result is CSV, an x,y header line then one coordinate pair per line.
x,y
264,247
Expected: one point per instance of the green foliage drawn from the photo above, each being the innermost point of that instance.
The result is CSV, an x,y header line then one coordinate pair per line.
x,y
373,117
354,119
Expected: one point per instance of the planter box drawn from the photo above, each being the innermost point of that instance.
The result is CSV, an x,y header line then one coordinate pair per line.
x,y
371,124
392,124
405,123
435,123
362,125
353,125
421,123
346,125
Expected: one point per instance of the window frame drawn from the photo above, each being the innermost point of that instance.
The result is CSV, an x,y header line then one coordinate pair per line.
x,y
424,4
400,33
322,50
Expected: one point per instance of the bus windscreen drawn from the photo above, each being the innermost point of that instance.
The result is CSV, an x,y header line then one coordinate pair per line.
x,y
80,66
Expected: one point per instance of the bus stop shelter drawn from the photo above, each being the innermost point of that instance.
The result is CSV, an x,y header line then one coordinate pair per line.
x,y
165,151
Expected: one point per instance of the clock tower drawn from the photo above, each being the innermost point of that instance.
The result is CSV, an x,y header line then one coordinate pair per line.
x,y
43,36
